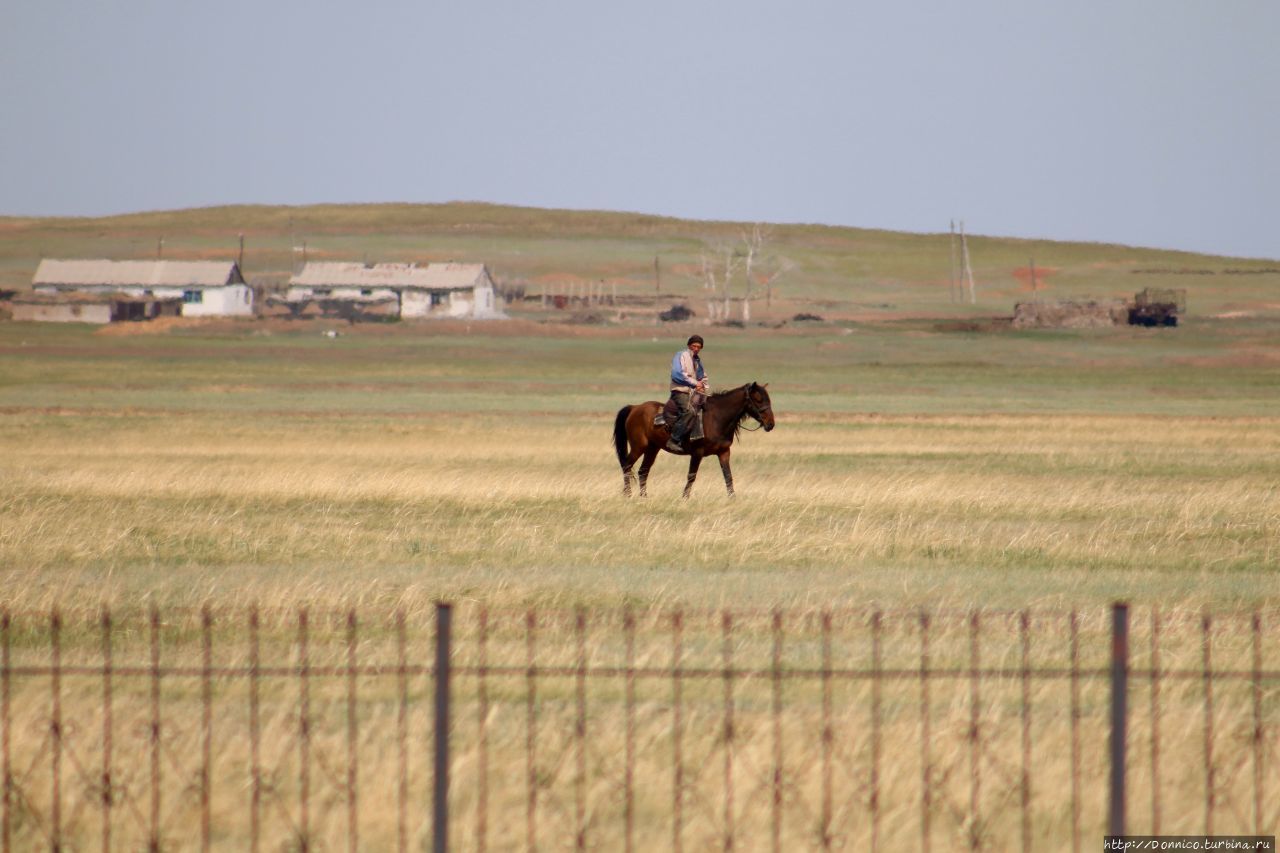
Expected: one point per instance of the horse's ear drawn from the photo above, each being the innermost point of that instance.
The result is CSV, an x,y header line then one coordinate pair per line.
x,y
765,385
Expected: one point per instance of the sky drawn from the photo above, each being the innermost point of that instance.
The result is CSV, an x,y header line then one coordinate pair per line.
x,y
1136,122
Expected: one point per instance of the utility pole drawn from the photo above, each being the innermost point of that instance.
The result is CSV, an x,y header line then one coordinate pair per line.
x,y
1033,275
968,267
657,276
240,258
955,284
160,248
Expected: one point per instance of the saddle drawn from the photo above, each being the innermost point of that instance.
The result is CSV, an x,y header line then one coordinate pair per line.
x,y
670,414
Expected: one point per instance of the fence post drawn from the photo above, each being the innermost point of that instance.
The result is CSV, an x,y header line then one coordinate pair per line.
x,y
440,804
1119,711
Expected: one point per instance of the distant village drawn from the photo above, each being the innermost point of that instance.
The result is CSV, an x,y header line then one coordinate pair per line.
x,y
105,291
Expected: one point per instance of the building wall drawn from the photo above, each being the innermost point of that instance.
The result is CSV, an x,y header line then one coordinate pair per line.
x,y
375,294
233,300
486,305
418,303
33,312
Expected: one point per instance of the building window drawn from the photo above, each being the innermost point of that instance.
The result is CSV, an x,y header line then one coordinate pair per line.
x,y
193,297
321,291
438,298
366,291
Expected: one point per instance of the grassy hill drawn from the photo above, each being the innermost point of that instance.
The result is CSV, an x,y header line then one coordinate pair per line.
x,y
837,271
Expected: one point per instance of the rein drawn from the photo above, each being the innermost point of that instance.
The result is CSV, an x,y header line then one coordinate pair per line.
x,y
750,409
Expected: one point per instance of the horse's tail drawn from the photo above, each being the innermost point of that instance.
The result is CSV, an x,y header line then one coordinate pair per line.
x,y
620,435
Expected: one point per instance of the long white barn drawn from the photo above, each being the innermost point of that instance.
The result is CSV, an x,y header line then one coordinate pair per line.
x,y
206,288
433,290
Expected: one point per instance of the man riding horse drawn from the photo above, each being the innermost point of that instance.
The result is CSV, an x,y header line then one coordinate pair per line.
x,y
688,390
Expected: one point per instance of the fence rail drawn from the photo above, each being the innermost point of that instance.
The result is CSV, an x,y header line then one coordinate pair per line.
x,y
475,728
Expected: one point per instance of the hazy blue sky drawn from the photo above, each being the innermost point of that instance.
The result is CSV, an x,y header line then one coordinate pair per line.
x,y
1149,123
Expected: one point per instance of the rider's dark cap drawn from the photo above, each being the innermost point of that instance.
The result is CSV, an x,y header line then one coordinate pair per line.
x,y
694,339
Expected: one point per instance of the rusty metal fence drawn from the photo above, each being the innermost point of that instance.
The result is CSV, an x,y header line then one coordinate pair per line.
x,y
471,728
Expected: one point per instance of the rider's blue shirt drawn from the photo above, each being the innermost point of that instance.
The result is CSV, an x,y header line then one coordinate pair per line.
x,y
678,374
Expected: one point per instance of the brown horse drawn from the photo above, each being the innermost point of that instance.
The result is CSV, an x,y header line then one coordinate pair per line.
x,y
635,435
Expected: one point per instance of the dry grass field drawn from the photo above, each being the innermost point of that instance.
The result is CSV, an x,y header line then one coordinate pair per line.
x,y
920,464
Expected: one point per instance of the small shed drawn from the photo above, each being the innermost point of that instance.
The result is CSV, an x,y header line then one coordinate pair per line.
x,y
204,288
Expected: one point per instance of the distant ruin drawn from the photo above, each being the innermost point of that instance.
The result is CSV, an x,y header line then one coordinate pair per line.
x,y
1150,307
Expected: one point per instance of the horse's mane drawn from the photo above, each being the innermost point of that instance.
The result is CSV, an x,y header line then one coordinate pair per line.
x,y
737,425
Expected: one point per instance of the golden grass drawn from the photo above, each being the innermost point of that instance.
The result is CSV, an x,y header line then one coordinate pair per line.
x,y
1047,731
848,512
1029,508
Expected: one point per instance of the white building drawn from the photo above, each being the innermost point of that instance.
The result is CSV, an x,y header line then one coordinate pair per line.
x,y
434,290
206,288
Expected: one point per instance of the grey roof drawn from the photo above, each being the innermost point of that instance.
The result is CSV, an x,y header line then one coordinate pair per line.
x,y
429,277
135,273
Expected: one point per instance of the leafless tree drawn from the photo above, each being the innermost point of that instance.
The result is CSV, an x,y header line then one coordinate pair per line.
x,y
761,268
719,263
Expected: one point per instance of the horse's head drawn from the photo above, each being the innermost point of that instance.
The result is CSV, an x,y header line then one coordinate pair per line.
x,y
759,406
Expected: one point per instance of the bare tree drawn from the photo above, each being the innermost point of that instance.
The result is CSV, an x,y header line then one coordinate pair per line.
x,y
719,262
771,267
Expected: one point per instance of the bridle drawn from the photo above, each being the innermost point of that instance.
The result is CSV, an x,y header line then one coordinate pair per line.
x,y
754,411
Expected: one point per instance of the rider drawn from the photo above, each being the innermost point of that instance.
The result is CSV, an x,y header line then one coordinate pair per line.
x,y
687,377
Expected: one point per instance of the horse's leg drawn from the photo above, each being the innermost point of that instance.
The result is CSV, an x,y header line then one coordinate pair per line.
x,y
694,461
650,454
626,470
728,473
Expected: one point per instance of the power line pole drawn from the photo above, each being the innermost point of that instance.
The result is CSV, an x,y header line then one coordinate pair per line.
x,y
955,285
968,267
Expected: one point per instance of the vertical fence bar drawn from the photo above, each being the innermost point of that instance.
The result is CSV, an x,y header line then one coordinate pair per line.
x,y
6,724
1075,730
353,737
1119,714
1024,630
55,727
975,734
677,733
107,728
926,761
255,731
304,732
1155,720
580,734
828,733
531,730
1255,626
440,803
153,843
1210,777
628,785
402,734
482,696
777,730
876,625
206,719
726,626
